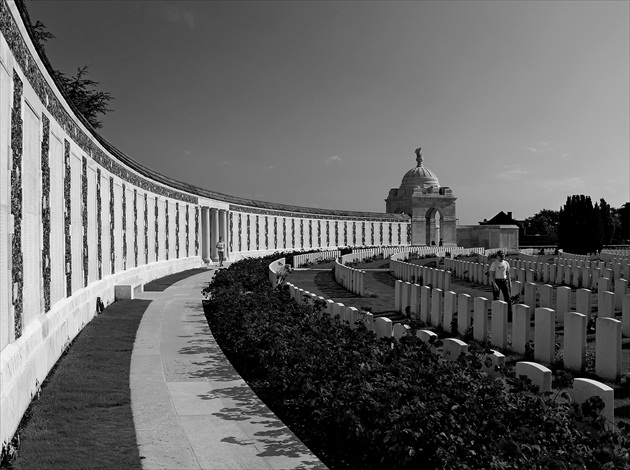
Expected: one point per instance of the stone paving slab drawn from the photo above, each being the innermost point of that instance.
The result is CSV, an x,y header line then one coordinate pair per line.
x,y
191,409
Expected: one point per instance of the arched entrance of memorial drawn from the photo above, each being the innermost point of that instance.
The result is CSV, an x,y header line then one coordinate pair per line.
x,y
431,206
433,219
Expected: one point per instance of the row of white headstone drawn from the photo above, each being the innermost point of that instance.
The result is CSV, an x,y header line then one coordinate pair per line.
x,y
423,250
608,301
452,348
575,274
423,275
446,309
351,279
300,260
618,255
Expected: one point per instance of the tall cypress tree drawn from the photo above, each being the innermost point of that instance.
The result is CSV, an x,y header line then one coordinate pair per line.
x,y
580,226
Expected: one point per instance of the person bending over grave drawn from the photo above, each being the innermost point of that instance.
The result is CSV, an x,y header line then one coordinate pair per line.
x,y
500,280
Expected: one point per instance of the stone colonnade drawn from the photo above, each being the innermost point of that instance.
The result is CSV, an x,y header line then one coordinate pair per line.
x,y
214,225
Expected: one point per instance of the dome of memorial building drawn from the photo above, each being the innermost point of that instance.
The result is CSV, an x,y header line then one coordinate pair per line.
x,y
419,176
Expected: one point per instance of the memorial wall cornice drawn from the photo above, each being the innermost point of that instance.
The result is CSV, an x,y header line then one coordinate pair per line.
x,y
280,210
118,163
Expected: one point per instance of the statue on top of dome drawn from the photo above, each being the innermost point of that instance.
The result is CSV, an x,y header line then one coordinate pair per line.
x,y
419,158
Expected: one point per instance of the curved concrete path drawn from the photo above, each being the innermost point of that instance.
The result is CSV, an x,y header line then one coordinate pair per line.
x,y
190,408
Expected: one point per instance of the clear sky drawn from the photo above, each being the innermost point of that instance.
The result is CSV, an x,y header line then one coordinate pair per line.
x,y
516,105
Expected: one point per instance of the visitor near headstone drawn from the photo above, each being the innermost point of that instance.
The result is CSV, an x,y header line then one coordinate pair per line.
x,y
501,281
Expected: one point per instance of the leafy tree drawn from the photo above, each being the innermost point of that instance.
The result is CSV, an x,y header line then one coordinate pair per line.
x,y
611,222
41,35
624,222
80,90
544,222
84,94
580,226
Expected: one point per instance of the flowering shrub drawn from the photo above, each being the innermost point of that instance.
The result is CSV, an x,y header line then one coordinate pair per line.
x,y
358,402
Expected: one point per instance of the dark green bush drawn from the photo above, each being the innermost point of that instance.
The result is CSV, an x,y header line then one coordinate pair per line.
x,y
362,403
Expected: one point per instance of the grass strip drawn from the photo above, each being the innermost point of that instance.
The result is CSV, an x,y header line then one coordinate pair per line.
x,y
83,417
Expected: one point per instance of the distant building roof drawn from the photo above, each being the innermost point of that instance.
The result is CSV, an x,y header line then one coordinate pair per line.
x,y
501,219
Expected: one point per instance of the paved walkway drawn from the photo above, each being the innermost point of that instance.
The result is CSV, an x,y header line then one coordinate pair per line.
x,y
190,407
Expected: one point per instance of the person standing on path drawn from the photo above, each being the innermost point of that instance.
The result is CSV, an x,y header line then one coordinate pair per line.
x,y
501,281
220,250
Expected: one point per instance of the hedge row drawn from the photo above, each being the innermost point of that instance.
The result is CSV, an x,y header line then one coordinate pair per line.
x,y
358,402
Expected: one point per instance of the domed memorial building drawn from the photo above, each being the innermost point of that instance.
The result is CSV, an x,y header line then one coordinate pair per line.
x,y
430,206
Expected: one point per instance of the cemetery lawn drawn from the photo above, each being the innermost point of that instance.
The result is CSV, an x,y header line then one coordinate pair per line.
x,y
83,417
320,280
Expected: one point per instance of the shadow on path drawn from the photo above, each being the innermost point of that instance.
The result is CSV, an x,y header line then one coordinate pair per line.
x,y
161,284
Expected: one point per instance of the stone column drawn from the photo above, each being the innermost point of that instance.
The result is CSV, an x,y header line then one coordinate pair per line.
x,y
205,234
214,232
223,231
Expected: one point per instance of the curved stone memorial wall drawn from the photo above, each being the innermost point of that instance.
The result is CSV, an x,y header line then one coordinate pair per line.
x,y
78,218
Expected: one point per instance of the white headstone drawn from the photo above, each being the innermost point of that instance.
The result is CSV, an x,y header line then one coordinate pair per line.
x,y
583,303
436,307
428,337
425,303
368,320
499,324
480,317
546,296
400,330
574,351
583,389
521,327
544,335
537,373
383,327
491,362
450,304
414,301
625,316
608,349
606,304
339,309
463,313
452,348
530,294
353,316
621,288
563,300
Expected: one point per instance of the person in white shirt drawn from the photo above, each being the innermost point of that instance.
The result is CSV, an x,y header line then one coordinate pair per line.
x,y
501,281
221,250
